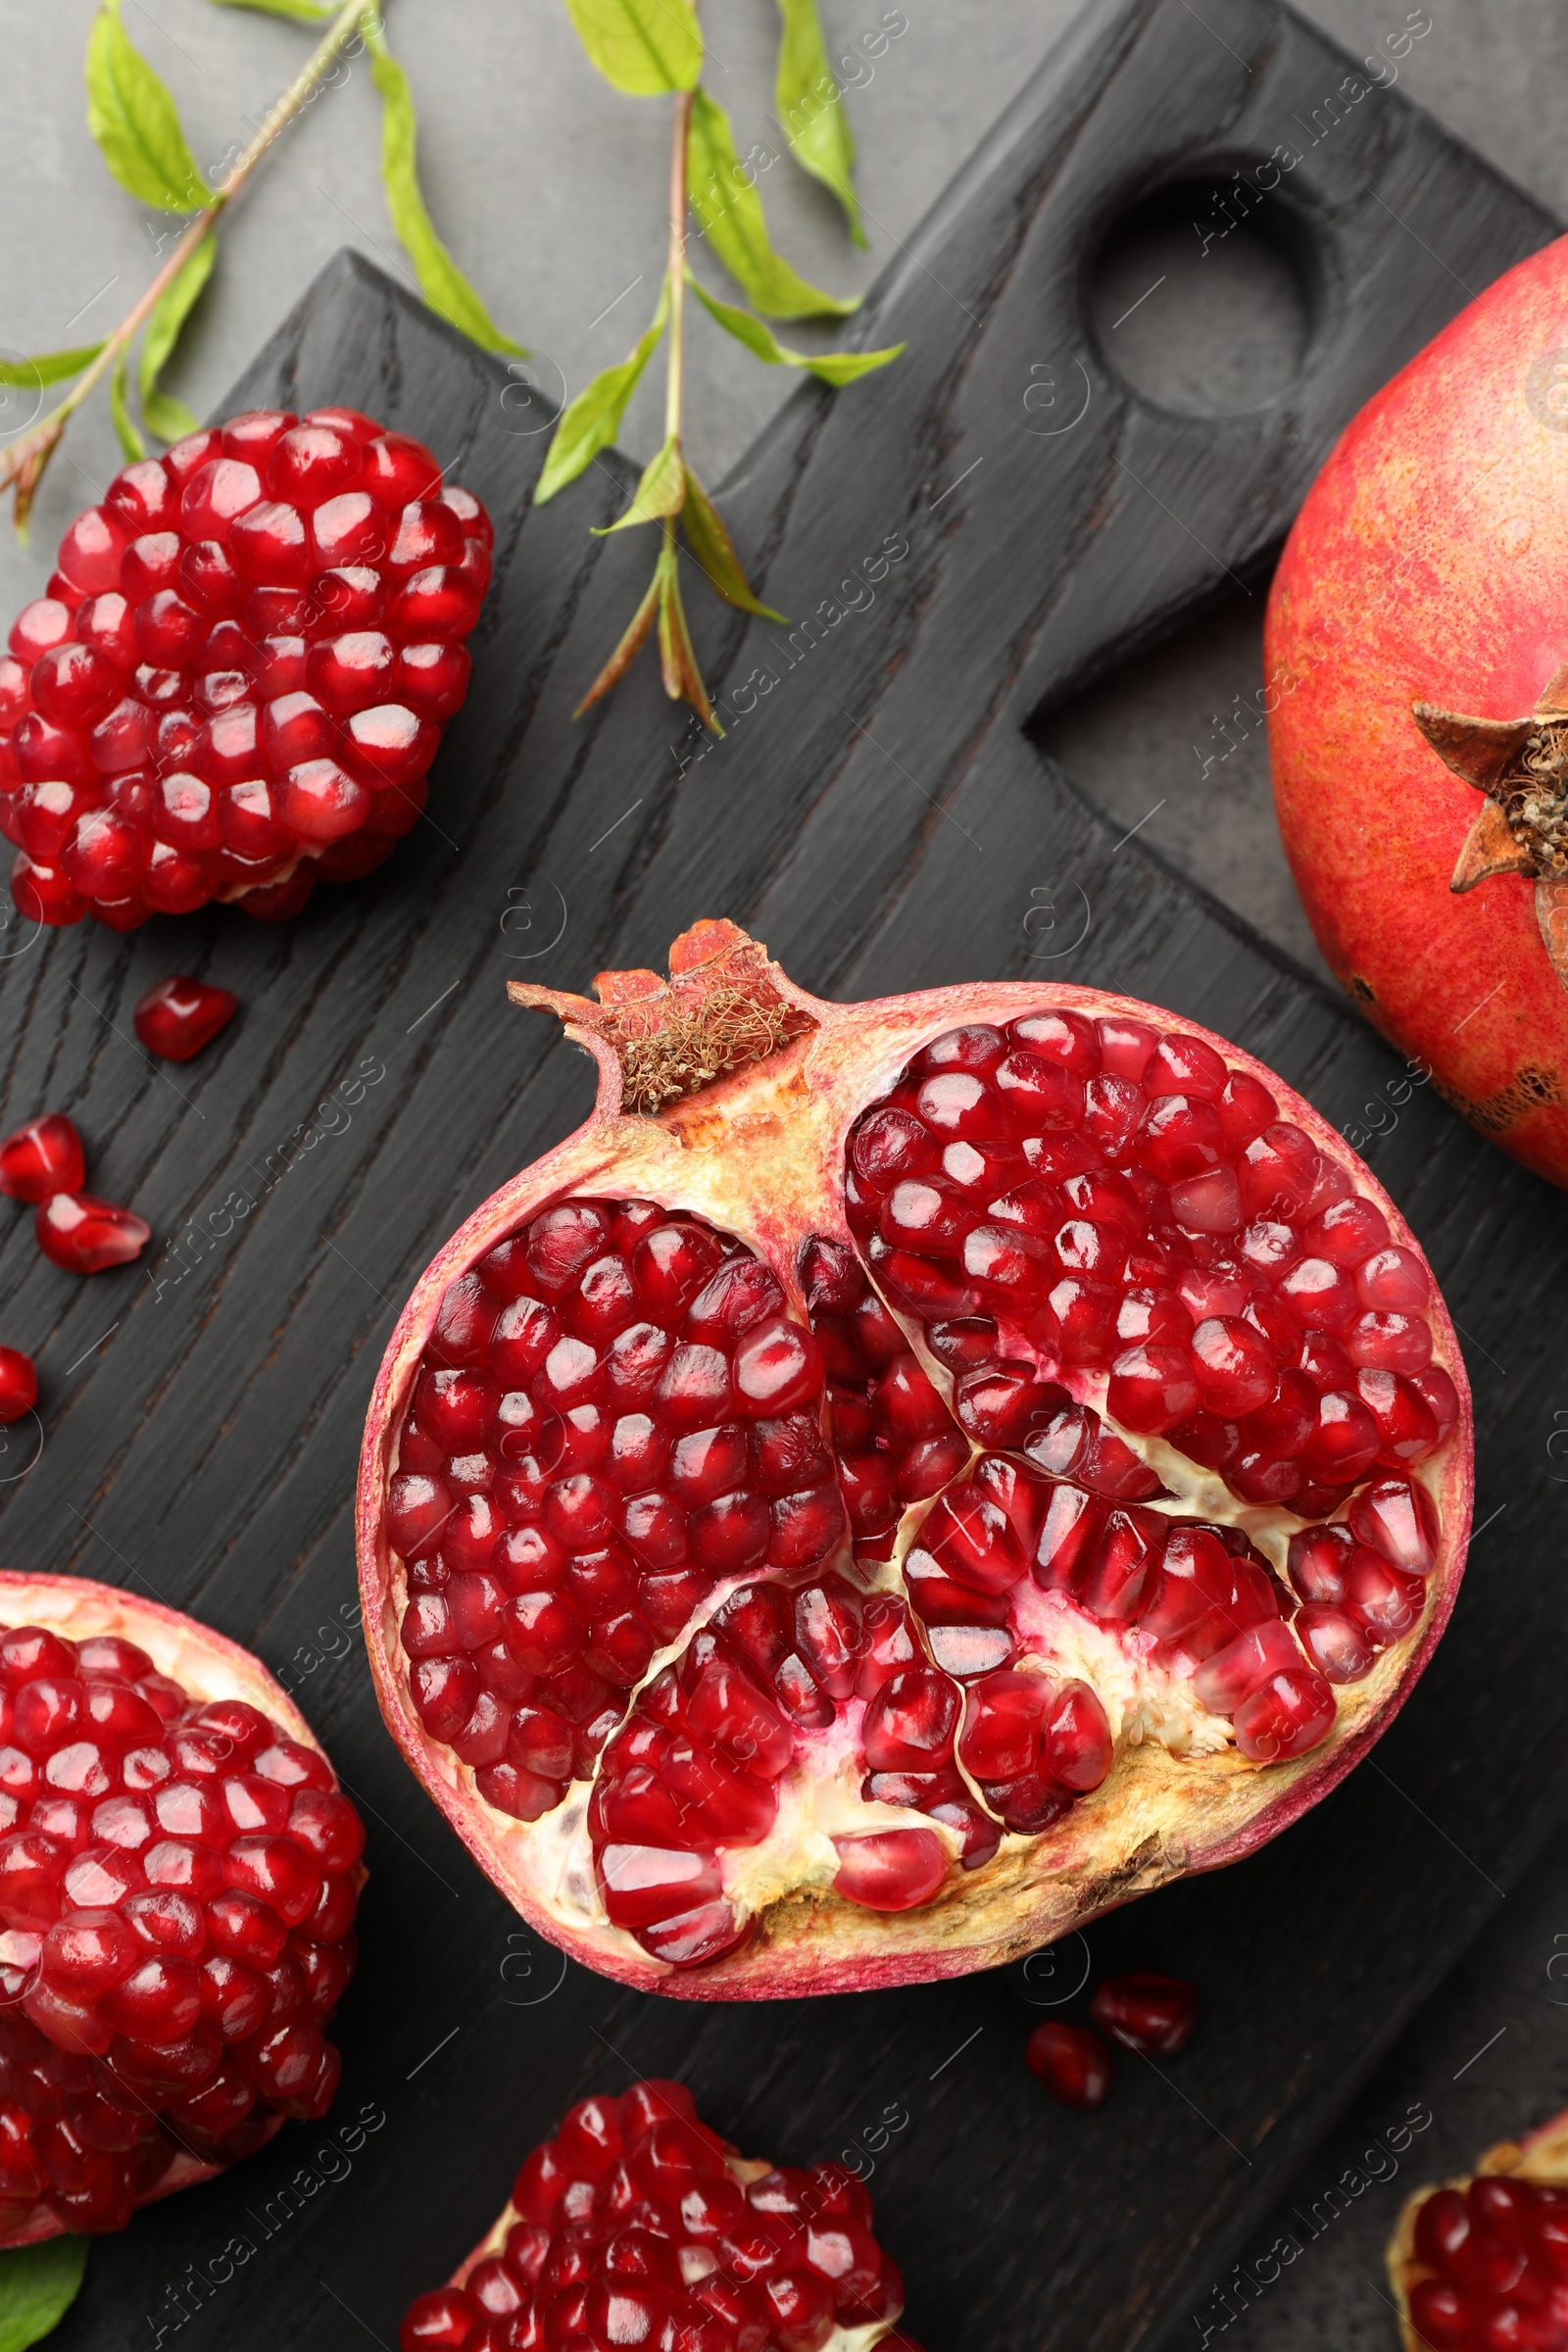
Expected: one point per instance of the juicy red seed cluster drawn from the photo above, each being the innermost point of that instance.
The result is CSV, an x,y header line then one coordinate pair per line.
x,y
637,2225
238,677
1495,2259
178,1882
894,1440
1154,2014
44,1162
1114,1199
614,1412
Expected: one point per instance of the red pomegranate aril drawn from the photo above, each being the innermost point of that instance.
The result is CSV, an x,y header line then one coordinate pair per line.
x,y
19,1384
43,1158
1396,1517
1072,2062
1335,1642
1152,2014
86,1234
889,1870
1285,1716
178,1016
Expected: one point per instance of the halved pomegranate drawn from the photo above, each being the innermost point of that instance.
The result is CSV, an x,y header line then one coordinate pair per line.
x,y
903,1477
179,1875
1483,2262
637,2225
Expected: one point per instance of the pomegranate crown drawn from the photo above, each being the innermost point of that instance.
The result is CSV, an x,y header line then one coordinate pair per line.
x,y
724,1007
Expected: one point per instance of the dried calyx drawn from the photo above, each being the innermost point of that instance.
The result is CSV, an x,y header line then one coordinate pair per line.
x,y
976,1458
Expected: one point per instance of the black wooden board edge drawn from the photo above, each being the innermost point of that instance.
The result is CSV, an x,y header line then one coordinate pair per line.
x,y
864,836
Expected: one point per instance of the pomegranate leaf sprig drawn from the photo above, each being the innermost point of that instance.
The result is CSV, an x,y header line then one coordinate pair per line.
x,y
651,48
134,119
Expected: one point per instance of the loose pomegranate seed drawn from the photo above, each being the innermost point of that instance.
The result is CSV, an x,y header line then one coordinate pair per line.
x,y
154,2004
1152,2014
637,2225
1072,2062
19,1384
41,1158
86,1234
178,1016
277,621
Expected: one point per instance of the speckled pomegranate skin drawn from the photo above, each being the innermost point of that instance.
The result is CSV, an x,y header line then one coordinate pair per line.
x,y
1429,563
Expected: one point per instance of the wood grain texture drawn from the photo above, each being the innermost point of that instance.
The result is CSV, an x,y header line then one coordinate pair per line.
x,y
879,816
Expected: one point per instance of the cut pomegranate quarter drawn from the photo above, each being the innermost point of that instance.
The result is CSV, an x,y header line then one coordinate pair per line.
x,y
637,2225
902,1476
179,1875
1483,2263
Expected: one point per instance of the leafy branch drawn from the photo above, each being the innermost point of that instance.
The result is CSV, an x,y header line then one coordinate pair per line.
x,y
649,48
136,123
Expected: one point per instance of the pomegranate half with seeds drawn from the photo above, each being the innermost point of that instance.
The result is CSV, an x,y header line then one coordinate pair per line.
x,y
238,676
1481,2262
902,1477
179,1875
637,2225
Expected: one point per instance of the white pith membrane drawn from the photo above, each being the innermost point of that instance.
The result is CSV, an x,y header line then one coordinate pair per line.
x,y
758,1157
1506,2285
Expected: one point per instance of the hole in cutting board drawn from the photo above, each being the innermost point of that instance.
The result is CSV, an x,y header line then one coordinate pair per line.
x,y
1200,305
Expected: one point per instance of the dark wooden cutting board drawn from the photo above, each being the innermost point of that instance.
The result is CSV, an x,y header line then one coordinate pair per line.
x,y
879,816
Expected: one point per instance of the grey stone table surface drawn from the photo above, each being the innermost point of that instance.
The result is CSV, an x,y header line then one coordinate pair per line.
x,y
547,187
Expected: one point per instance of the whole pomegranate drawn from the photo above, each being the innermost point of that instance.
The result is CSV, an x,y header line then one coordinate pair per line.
x,y
179,1875
241,673
637,2225
902,1476
1418,711
1483,2262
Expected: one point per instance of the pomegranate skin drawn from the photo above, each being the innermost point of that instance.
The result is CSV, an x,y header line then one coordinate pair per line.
x,y
759,1154
207,1667
1534,2169
1430,564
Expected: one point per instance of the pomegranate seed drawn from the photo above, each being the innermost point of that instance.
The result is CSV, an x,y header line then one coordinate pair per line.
x,y
889,1870
1072,2062
19,1384
1152,2014
86,1234
42,1159
178,1016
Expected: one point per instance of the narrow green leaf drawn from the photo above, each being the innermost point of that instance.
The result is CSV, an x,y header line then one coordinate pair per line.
x,y
593,420
135,122
168,418
677,658
833,367
130,441
731,214
48,367
811,108
442,283
37,2286
303,12
633,639
641,46
714,549
660,492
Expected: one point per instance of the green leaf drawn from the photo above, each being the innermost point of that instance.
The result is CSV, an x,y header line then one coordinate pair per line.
x,y
641,46
168,418
633,639
811,108
660,492
593,420
49,366
37,2286
714,549
677,660
442,283
731,214
303,12
833,367
130,441
134,120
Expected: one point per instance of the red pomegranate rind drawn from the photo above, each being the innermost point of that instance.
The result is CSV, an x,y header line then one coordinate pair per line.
x,y
1484,2260
240,674
637,2225
179,1875
1091,1660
